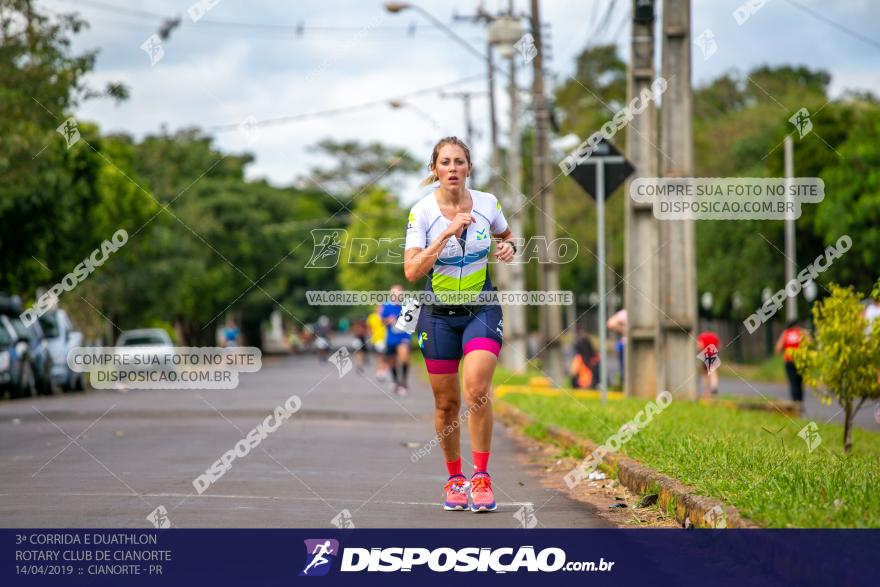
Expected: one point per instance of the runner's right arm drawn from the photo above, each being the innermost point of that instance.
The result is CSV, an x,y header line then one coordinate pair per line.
x,y
417,262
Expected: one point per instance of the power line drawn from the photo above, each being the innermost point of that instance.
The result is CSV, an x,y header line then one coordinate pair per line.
x,y
835,24
602,23
620,28
298,28
345,109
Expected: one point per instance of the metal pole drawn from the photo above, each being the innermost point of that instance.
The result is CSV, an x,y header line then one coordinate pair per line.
x,y
469,130
493,124
600,231
517,358
790,251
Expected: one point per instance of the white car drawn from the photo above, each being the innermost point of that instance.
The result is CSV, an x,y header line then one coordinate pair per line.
x,y
150,349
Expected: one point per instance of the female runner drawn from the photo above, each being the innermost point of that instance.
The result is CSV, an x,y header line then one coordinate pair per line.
x,y
448,239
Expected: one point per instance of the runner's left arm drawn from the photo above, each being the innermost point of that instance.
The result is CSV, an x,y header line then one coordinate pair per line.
x,y
505,250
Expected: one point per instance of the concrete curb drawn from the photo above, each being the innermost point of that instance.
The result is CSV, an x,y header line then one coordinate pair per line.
x,y
673,496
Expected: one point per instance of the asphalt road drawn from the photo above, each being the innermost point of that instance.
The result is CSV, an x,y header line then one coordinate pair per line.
x,y
868,417
108,459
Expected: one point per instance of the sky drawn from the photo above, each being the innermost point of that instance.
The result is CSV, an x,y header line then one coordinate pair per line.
x,y
241,62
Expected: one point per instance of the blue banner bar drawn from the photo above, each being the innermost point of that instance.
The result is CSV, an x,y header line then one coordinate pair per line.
x,y
397,557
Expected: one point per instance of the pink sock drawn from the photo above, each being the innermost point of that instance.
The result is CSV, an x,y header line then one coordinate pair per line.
x,y
481,462
454,467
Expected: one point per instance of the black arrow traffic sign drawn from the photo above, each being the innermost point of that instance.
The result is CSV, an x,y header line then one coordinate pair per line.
x,y
616,169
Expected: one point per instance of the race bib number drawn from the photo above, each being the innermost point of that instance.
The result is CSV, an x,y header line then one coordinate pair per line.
x,y
409,317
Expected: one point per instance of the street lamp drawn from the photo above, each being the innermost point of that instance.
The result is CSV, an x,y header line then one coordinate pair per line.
x,y
810,293
768,331
706,300
736,303
397,7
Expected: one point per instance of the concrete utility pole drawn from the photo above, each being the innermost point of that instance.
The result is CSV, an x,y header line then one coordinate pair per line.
x,y
641,296
504,31
790,250
678,289
551,316
515,326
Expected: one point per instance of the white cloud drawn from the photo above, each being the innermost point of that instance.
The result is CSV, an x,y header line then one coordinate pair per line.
x,y
216,75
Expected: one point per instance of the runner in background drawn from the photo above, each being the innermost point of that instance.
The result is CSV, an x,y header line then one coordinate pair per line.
x,y
789,340
323,330
709,344
583,363
359,331
396,342
231,334
617,323
377,342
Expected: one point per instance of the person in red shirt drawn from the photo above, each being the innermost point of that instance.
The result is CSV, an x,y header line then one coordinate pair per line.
x,y
708,343
789,340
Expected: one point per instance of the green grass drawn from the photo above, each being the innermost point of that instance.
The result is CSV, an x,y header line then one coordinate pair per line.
x,y
729,454
771,370
504,376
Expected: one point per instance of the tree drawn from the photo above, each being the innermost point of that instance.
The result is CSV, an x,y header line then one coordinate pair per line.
x,y
358,166
585,102
852,200
844,358
376,215
56,199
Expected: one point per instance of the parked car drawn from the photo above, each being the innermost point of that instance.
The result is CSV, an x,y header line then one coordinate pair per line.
x,y
147,343
62,336
9,369
16,352
38,353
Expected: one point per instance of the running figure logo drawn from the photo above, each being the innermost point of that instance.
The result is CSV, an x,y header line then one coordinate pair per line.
x,y
710,358
327,247
320,554
801,121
